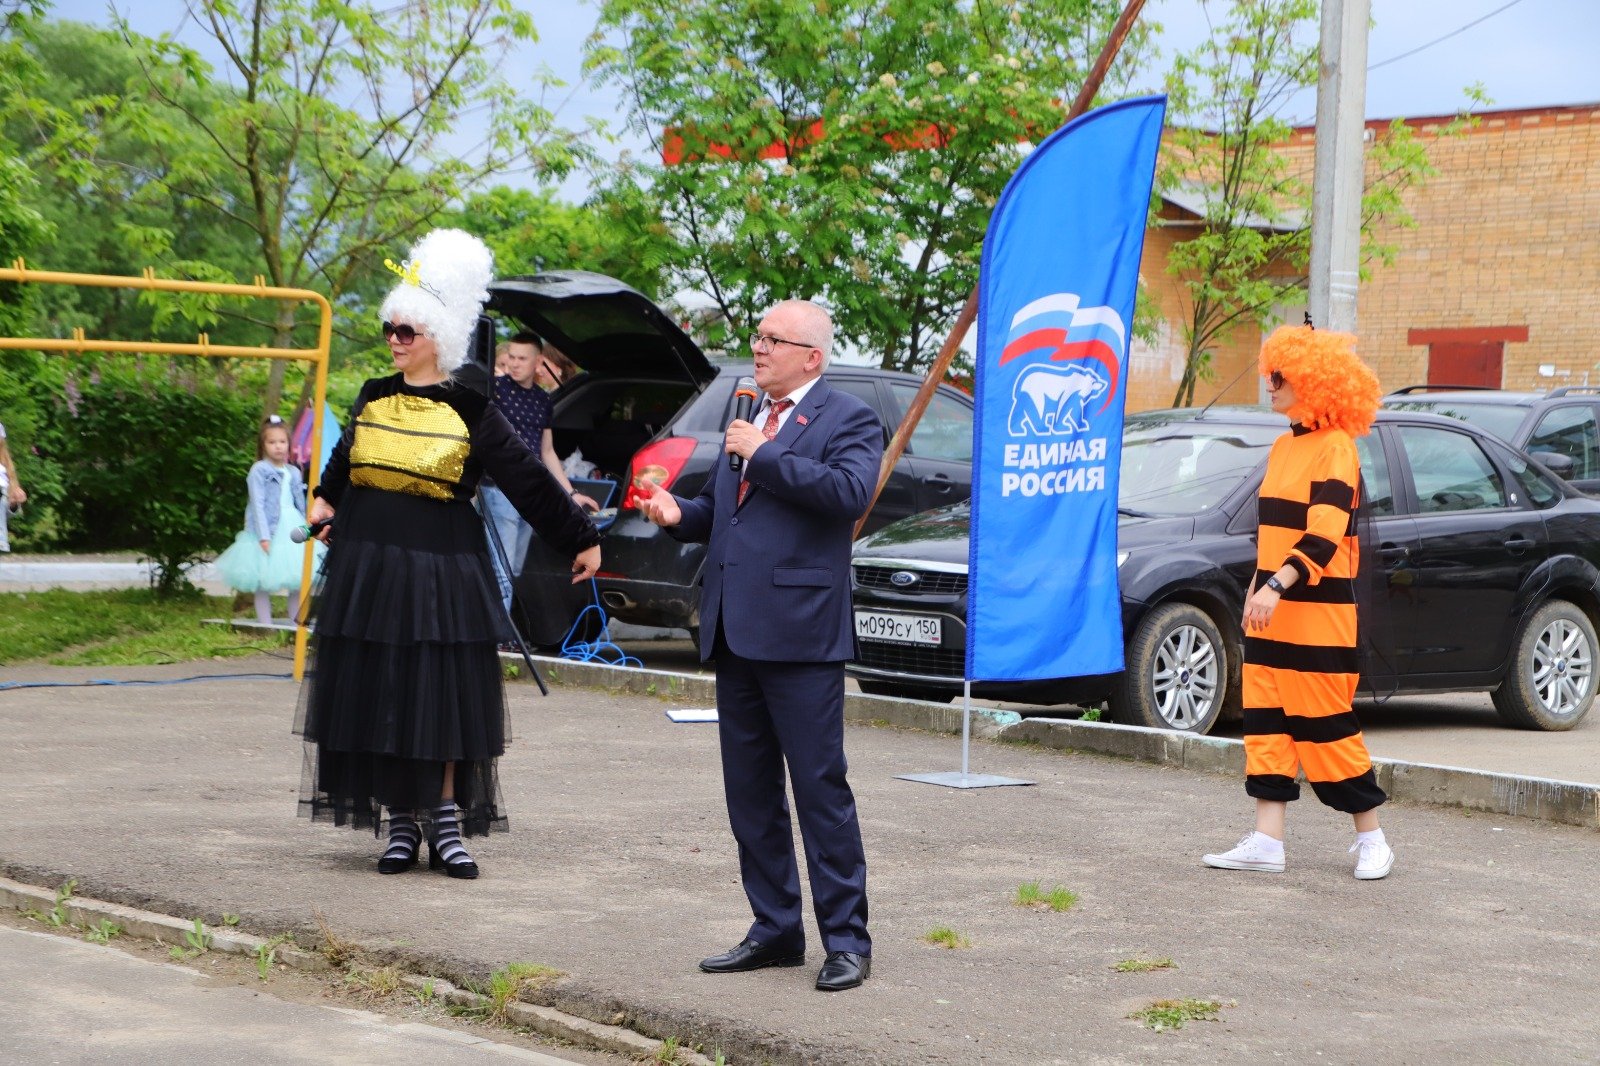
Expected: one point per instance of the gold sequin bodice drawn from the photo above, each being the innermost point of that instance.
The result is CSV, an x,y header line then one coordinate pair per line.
x,y
409,444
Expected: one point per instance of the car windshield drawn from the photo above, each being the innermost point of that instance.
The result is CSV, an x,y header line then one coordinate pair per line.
x,y
1178,468
1501,419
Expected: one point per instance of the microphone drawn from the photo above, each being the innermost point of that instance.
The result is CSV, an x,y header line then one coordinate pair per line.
x,y
301,534
744,401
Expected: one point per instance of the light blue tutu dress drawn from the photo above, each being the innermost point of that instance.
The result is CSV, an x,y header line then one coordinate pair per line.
x,y
246,568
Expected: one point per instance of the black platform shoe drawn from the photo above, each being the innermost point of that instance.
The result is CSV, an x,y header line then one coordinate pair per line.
x,y
405,839
465,869
391,865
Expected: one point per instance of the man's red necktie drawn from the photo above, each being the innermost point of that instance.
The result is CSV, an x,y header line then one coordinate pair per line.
x,y
769,429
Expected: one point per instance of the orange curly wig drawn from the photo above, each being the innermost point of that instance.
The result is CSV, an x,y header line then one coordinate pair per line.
x,y
1332,386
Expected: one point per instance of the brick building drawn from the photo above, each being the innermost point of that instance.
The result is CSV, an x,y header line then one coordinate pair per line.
x,y
1498,283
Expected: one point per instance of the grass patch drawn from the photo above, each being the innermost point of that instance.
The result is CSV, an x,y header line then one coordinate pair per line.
x,y
1058,899
335,948
379,983
56,916
103,931
266,955
1144,965
196,942
1166,1014
120,627
505,987
945,937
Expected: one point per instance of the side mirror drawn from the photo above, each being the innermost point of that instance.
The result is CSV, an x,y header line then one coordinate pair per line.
x,y
1559,465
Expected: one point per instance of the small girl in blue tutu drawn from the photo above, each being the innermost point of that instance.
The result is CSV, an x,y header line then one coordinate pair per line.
x,y
262,559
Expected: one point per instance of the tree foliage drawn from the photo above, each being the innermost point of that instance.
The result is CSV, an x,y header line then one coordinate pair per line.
x,y
533,231
334,142
159,469
925,108
325,140
1224,143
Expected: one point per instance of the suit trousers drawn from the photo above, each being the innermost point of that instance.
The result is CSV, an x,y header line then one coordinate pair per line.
x,y
769,714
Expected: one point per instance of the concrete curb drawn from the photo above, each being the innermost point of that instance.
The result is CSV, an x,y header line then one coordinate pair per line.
x,y
1563,802
163,928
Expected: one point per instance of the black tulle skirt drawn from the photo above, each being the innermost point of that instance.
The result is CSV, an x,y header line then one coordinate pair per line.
x,y
404,674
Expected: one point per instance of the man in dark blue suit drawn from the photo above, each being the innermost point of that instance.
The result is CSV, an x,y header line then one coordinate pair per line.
x,y
775,615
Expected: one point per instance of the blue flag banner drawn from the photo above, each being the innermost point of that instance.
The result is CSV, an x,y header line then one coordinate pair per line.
x,y
1055,313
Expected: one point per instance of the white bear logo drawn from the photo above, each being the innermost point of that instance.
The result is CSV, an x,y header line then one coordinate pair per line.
x,y
1049,400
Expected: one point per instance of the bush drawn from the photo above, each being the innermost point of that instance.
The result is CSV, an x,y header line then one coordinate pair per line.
x,y
157,464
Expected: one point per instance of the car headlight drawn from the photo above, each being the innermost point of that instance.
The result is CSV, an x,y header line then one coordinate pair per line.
x,y
1122,557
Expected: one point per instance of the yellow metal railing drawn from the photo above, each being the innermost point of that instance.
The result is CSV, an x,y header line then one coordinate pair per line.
x,y
318,356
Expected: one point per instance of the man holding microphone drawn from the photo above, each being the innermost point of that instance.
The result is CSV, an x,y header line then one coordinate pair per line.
x,y
775,615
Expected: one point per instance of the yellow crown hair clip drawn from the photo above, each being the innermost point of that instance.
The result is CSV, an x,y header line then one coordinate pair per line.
x,y
410,272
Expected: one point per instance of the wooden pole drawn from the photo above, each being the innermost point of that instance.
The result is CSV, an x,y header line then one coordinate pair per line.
x,y
969,310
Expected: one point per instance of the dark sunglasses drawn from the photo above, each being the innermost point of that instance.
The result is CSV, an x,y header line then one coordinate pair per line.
x,y
1275,379
403,333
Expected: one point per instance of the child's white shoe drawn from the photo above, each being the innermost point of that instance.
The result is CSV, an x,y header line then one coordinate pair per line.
x,y
1374,859
1254,852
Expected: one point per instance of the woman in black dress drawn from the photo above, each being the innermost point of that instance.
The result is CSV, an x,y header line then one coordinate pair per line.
x,y
404,707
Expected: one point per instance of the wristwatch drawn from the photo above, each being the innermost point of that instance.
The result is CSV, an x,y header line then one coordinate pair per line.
x,y
1275,585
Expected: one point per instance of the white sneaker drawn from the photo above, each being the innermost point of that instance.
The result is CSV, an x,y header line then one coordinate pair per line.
x,y
1247,855
1374,859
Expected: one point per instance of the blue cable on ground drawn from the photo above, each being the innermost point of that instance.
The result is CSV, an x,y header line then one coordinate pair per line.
x,y
6,686
601,649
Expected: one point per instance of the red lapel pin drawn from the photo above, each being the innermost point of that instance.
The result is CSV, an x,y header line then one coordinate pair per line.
x,y
802,419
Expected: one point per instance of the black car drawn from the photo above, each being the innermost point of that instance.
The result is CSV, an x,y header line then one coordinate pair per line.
x,y
651,405
1559,428
1489,565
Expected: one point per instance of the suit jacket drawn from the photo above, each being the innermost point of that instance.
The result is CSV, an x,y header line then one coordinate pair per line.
x,y
777,570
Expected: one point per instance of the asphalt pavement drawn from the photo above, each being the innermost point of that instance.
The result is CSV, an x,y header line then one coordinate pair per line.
x,y
1484,945
74,1004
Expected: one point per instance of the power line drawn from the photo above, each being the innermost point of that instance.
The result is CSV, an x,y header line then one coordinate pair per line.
x,y
1446,37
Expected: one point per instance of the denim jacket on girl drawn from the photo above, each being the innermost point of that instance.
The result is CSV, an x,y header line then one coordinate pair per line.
x,y
266,489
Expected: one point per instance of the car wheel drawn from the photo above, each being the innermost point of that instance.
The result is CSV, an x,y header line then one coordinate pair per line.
x,y
905,692
1551,683
1176,674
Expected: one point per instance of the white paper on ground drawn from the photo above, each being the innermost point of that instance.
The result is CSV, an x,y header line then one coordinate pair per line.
x,y
693,714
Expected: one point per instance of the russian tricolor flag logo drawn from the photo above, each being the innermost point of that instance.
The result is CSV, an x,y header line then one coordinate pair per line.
x,y
1057,325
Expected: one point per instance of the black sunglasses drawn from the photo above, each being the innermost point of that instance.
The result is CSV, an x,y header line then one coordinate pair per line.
x,y
1276,379
401,332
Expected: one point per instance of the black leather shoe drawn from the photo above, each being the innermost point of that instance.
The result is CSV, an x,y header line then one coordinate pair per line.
x,y
844,969
398,865
750,955
466,870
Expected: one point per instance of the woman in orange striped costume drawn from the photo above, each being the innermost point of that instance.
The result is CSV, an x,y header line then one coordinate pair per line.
x,y
1300,661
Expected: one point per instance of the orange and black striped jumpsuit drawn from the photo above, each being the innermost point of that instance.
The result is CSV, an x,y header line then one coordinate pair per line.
x,y
1300,672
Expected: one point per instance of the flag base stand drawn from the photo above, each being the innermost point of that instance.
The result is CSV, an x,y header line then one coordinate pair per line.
x,y
962,778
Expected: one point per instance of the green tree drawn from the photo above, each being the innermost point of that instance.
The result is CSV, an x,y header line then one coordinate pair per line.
x,y
1224,148
925,109
22,227
157,468
102,187
533,231
335,143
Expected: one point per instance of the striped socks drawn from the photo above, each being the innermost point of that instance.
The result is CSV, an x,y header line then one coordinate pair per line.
x,y
405,837
447,846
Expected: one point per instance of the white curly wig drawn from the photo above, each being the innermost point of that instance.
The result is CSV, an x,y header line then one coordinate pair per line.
x,y
446,283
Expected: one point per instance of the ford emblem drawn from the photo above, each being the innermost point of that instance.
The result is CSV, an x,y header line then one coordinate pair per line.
x,y
902,579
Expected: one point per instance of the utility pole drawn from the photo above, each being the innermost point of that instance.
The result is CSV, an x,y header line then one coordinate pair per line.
x,y
1338,180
